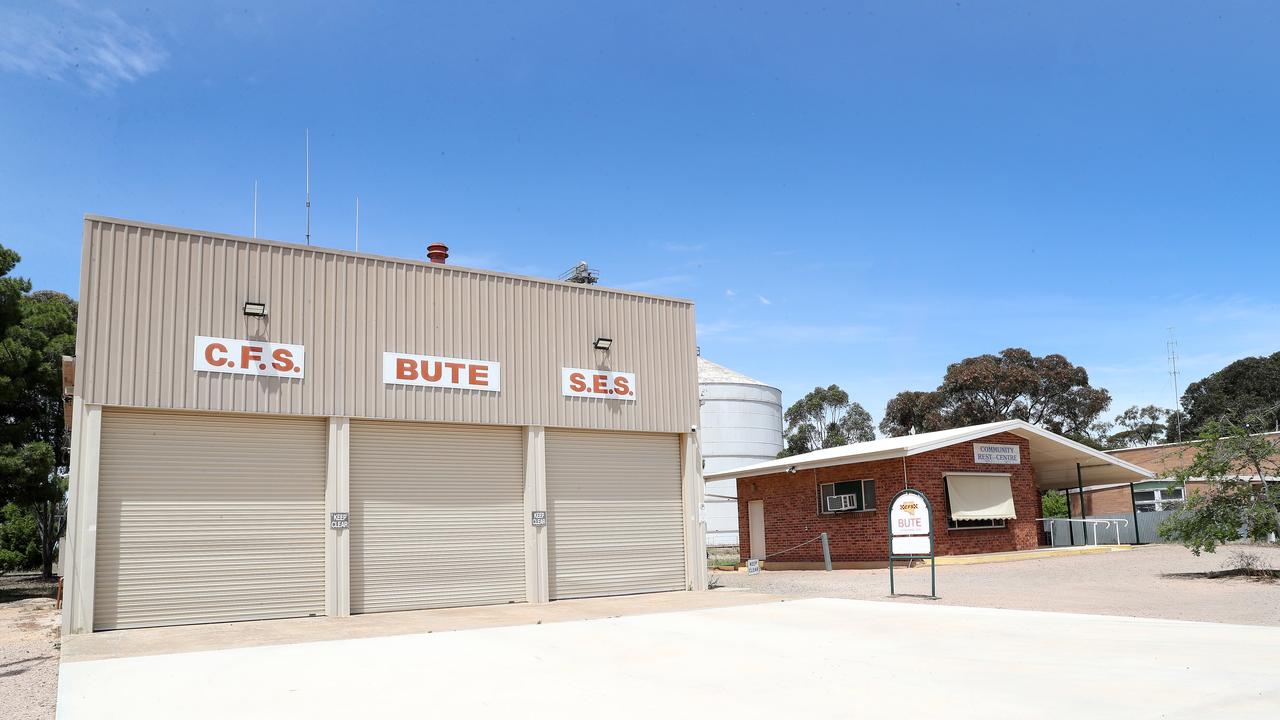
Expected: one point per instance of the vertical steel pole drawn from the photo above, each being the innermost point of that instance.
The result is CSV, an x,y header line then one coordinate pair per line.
x,y
826,552
1134,503
1071,527
1084,515
933,557
891,575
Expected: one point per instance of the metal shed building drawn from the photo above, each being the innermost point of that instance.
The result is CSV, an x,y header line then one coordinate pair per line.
x,y
265,430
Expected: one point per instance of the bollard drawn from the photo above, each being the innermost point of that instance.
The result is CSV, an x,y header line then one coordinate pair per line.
x,y
826,552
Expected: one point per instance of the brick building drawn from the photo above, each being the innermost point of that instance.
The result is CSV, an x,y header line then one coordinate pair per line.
x,y
984,484
1154,495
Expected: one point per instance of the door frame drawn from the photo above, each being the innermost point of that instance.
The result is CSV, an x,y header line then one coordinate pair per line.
x,y
755,528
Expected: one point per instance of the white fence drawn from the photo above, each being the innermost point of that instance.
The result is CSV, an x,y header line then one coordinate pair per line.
x,y
1145,529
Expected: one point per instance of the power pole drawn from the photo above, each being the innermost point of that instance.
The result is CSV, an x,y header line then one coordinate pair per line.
x,y
1172,346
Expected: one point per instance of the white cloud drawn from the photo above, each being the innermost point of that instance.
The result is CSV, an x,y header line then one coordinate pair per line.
x,y
764,300
660,284
69,41
730,293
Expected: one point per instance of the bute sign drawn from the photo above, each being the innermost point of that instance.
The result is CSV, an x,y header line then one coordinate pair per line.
x,y
909,524
446,372
911,534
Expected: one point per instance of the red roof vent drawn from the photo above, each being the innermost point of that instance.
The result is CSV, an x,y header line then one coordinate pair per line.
x,y
437,252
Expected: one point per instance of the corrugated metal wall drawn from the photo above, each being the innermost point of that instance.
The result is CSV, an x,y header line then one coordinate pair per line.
x,y
147,291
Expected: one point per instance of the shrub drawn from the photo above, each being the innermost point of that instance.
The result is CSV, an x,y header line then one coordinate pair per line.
x,y
18,536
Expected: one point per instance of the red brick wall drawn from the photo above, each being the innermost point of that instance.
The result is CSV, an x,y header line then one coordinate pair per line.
x,y
1103,502
791,507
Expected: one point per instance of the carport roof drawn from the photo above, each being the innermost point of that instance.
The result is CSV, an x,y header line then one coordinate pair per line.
x,y
1054,457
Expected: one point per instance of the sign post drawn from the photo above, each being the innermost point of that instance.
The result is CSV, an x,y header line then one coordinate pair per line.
x,y
911,534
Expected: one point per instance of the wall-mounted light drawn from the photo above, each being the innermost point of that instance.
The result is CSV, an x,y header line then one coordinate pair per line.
x,y
255,309
792,470
602,343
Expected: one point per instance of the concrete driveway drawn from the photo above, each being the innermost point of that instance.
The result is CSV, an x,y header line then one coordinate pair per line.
x,y
818,658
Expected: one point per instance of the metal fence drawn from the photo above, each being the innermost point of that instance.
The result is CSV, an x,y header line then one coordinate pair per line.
x,y
1145,529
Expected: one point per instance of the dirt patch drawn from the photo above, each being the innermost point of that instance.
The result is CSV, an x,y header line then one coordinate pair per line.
x,y
1150,581
1261,574
29,650
24,586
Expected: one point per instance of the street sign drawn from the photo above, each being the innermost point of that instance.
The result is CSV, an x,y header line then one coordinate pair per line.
x,y
911,534
538,518
909,514
339,521
753,567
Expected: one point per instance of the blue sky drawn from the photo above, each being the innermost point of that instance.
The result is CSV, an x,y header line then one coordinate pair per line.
x,y
857,193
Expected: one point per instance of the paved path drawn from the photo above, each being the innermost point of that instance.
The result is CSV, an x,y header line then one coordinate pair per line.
x,y
818,658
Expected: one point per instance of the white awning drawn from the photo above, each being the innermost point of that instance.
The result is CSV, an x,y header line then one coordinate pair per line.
x,y
980,497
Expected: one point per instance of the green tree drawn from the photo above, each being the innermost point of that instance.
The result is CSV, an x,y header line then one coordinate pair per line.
x,y
1249,387
1048,391
1053,504
18,535
826,418
36,330
912,411
1241,496
1140,426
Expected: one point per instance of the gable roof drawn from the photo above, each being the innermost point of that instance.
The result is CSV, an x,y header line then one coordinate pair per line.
x,y
1053,456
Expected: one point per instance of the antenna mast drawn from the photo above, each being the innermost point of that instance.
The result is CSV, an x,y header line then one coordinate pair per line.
x,y
308,154
1172,346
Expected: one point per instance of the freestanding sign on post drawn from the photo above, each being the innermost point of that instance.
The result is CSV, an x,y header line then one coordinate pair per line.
x,y
911,534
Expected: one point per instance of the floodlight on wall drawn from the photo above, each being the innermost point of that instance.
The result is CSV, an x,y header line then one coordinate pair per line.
x,y
602,343
255,309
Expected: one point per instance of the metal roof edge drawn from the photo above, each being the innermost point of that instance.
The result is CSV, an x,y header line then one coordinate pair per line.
x,y
1110,460
811,465
91,217
977,432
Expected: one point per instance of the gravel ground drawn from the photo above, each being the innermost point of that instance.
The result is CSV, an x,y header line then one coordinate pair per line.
x,y
29,643
1159,581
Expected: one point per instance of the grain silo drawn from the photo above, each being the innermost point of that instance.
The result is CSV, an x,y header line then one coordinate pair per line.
x,y
741,425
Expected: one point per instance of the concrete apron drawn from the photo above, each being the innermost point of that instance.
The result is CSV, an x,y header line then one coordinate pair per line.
x,y
221,636
816,658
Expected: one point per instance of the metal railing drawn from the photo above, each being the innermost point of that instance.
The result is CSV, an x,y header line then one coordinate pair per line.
x,y
1094,522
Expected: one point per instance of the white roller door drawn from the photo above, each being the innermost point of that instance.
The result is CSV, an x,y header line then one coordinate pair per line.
x,y
616,516
208,518
437,516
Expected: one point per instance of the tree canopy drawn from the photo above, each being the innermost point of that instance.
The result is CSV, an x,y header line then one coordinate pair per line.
x,y
825,417
1249,387
1241,496
1048,391
36,330
1140,426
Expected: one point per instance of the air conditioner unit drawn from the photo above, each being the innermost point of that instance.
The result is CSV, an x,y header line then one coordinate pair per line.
x,y
842,503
